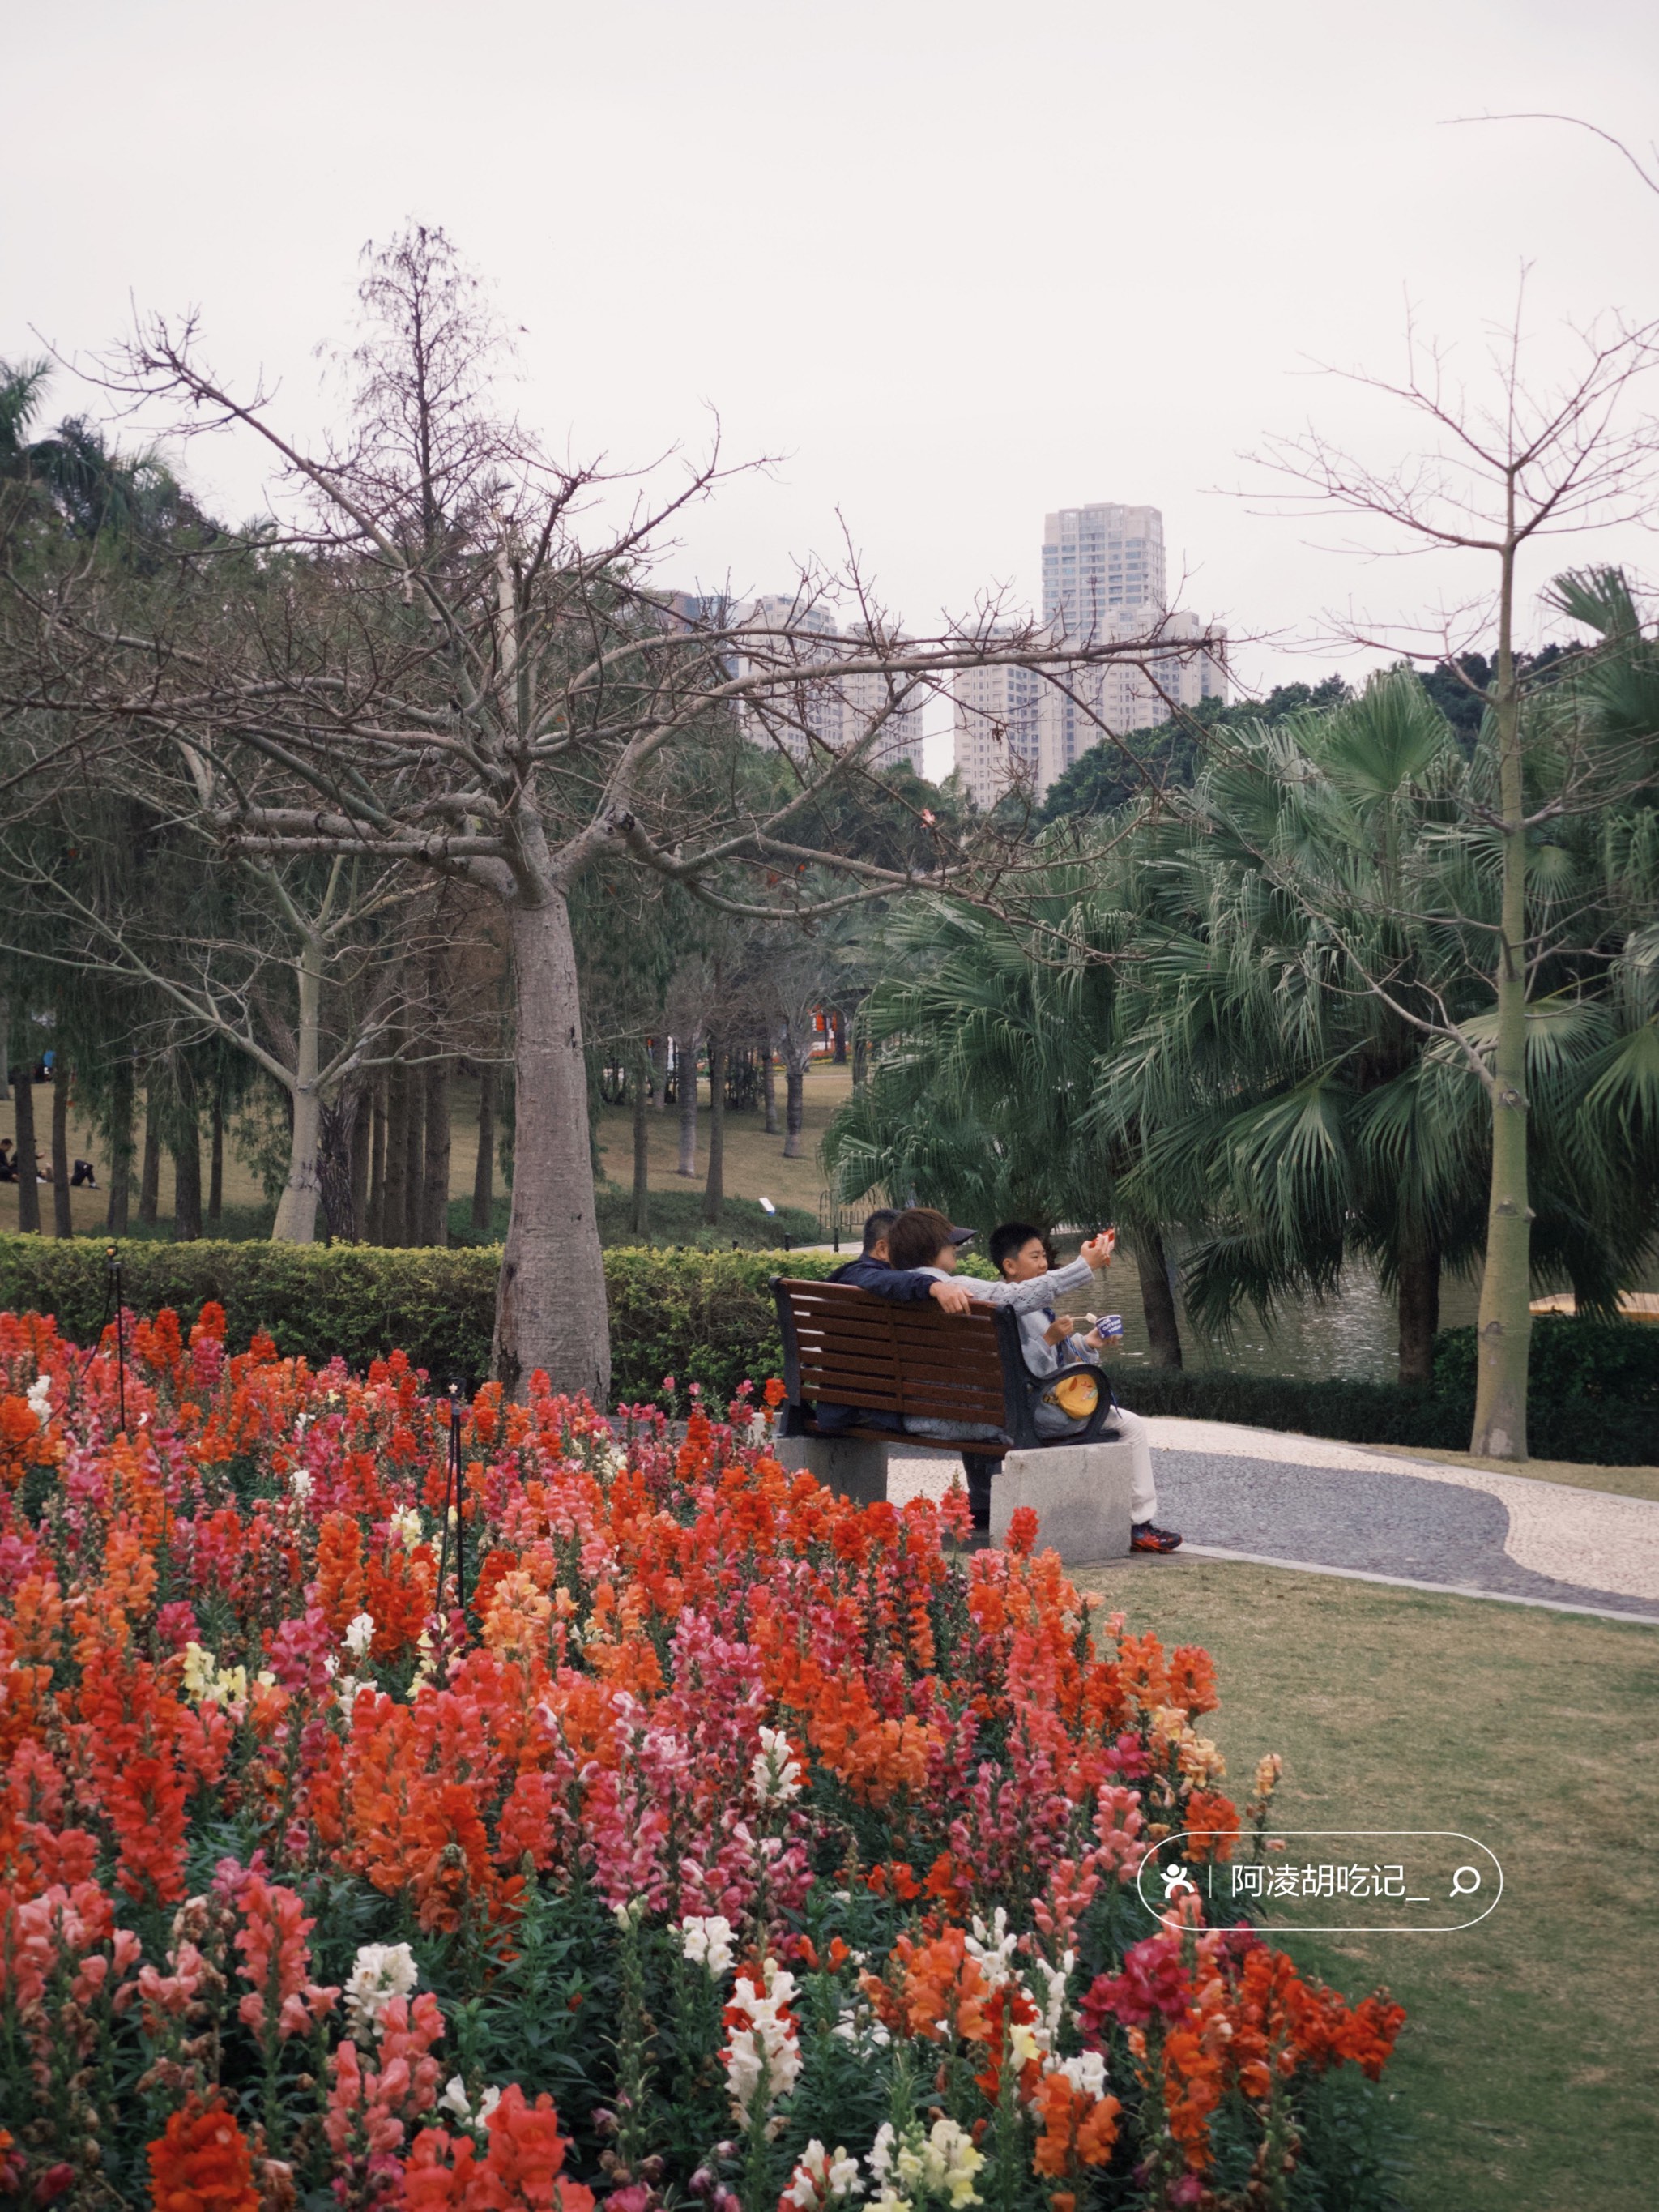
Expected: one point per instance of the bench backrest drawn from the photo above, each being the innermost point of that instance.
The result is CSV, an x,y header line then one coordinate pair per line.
x,y
851,1348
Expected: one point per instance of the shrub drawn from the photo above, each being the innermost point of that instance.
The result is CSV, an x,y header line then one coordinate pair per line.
x,y
707,1317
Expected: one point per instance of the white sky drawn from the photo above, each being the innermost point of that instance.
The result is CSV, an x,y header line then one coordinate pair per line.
x,y
956,263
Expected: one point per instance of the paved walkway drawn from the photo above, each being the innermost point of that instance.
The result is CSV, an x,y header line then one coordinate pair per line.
x,y
1302,1502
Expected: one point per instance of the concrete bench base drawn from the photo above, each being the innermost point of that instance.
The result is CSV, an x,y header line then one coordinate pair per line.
x,y
1079,1492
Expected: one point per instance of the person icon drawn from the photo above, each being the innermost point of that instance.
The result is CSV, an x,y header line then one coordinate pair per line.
x,y
1176,1879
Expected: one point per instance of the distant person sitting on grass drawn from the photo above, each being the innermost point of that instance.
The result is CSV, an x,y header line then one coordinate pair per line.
x,y
7,1165
874,1270
85,1177
1050,1340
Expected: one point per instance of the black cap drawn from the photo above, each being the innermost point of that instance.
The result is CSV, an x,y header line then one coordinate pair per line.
x,y
964,1235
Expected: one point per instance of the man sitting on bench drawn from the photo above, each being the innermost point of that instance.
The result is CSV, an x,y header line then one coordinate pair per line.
x,y
874,1270
1049,1340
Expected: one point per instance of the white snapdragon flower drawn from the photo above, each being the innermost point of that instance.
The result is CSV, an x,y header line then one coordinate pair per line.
x,y
38,1395
301,1484
993,1947
819,2176
768,2045
1086,2073
941,2163
774,1771
359,1634
406,1528
454,2101
706,1939
380,1973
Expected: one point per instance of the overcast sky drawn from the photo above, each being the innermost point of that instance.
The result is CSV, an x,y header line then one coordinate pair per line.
x,y
956,264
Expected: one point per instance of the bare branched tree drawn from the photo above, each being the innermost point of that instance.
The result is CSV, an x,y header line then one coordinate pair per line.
x,y
453,657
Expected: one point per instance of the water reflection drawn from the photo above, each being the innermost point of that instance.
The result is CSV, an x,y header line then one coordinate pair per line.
x,y
1354,1332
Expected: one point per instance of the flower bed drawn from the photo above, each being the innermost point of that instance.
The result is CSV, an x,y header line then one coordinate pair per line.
x,y
716,1837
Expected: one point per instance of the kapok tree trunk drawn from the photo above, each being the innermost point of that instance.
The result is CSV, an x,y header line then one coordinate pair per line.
x,y
296,1209
150,1173
660,1071
415,1157
362,1137
120,1149
28,1191
1157,1298
483,1167
435,1208
641,1220
794,1107
63,1213
186,1149
1503,1327
685,1083
713,1190
375,1230
216,1160
769,1089
1416,1293
550,1302
394,1196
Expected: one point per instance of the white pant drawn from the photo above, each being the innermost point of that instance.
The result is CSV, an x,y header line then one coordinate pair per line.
x,y
1132,1430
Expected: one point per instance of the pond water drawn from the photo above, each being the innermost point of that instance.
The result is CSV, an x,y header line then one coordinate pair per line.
x,y
1353,1333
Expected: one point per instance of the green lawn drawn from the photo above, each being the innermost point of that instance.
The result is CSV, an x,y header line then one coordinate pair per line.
x,y
1528,2075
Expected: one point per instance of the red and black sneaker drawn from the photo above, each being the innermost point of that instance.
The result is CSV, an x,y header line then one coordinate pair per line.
x,y
1147,1536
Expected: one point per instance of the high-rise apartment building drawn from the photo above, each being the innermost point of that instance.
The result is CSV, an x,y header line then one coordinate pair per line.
x,y
802,710
998,730
1099,560
1104,581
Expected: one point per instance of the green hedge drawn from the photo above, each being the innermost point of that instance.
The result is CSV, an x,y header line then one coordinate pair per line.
x,y
704,1317
1594,1396
707,1317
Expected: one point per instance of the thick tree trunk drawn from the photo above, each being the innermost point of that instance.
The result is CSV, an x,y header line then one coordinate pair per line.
x,y
1503,1327
1417,1296
216,1160
660,1072
63,1213
794,1109
713,1190
1157,1298
685,1083
435,1209
150,1173
186,1149
120,1149
769,1089
394,1207
362,1137
296,1209
28,1191
838,1031
415,1157
550,1308
376,1228
640,1219
5,1050
483,1167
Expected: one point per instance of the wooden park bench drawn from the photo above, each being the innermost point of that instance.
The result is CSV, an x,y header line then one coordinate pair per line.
x,y
845,1346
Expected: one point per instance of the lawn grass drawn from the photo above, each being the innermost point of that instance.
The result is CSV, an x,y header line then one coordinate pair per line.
x,y
1528,2074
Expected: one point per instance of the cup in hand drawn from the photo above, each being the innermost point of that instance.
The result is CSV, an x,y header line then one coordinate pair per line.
x,y
1110,1324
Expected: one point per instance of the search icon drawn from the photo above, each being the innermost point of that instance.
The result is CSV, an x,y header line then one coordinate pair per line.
x,y
1461,1888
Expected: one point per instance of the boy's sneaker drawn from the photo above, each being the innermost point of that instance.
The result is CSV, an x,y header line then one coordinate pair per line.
x,y
1146,1536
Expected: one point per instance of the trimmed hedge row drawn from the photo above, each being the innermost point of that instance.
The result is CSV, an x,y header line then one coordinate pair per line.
x,y
704,1317
707,1317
